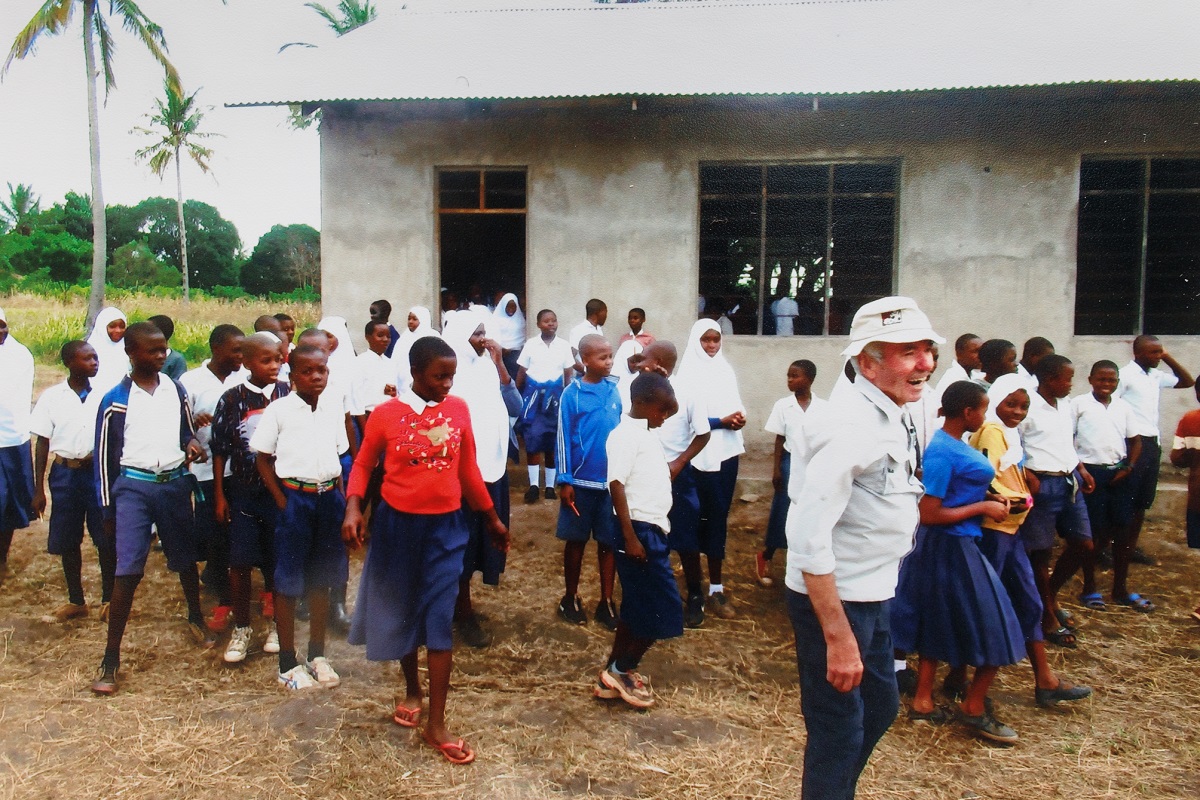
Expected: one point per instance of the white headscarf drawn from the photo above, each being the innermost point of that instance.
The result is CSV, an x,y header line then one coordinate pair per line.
x,y
1001,389
342,359
620,369
508,330
16,365
711,380
114,363
478,383
405,343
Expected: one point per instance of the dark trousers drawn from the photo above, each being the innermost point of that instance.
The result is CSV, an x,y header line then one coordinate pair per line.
x,y
842,727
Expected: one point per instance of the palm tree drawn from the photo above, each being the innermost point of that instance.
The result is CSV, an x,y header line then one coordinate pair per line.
x,y
354,14
52,19
20,209
177,125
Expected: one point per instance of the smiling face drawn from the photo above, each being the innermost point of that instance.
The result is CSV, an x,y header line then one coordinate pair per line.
x,y
228,355
710,341
597,358
116,330
1014,408
433,383
902,370
1104,382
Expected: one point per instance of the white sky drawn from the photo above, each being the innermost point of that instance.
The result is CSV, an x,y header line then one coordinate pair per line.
x,y
264,172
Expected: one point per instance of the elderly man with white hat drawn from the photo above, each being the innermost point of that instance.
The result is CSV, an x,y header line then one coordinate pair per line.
x,y
852,519
16,464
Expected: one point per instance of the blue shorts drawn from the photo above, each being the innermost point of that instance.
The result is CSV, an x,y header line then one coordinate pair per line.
x,y
1109,507
207,527
1057,508
143,505
650,604
73,503
309,553
16,487
1145,473
595,518
252,515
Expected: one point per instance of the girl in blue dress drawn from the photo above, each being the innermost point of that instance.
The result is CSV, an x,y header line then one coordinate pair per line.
x,y
950,605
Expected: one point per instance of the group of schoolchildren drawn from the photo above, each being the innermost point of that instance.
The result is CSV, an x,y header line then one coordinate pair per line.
x,y
279,456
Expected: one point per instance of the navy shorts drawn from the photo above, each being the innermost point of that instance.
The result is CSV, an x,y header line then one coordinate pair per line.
x,y
1109,507
207,527
309,553
73,503
16,487
143,505
595,518
252,515
1057,508
1145,473
650,604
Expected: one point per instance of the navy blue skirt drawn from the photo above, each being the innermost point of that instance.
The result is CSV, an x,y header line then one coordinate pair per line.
x,y
481,556
409,583
777,522
16,487
650,603
951,606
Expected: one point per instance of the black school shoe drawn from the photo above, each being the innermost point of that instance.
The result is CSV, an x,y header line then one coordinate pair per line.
x,y
606,614
472,633
693,611
532,495
571,610
550,493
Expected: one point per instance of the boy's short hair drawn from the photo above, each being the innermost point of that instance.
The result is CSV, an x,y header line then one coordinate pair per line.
x,y
426,349
69,349
282,317
594,306
961,395
543,312
1049,367
308,334
805,366
141,330
303,351
164,324
650,387
263,339
993,350
640,311
590,342
384,306
266,322
961,342
1104,363
1036,347
222,334
371,326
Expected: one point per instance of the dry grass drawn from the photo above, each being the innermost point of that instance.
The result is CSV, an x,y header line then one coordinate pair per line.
x,y
727,725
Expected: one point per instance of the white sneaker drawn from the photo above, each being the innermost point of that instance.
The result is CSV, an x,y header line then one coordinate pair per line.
x,y
239,644
323,670
271,645
298,677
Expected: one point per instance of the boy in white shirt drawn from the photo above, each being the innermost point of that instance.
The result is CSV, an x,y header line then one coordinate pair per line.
x,y
544,369
596,312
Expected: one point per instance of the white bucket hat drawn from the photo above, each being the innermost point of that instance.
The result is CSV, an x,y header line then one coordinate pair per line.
x,y
889,319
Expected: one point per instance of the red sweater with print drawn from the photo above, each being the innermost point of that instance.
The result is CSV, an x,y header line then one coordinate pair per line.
x,y
428,458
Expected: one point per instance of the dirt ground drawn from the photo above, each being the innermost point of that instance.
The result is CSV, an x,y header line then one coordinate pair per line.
x,y
727,723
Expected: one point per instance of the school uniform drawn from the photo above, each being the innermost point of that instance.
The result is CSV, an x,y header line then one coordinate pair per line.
x,y
414,559
175,367
309,553
141,480
650,604
787,419
1101,431
676,435
373,373
204,389
1048,435
583,329
1142,389
67,421
544,363
950,604
16,461
588,413
252,510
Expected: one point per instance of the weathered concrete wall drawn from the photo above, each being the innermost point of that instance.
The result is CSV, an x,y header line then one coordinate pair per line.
x,y
986,213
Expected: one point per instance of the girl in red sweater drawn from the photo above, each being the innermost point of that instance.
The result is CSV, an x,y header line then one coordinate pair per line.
x,y
418,534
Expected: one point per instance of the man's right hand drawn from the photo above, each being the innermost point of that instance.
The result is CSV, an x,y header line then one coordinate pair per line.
x,y
843,664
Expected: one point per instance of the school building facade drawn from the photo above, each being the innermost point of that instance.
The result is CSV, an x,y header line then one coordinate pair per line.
x,y
1058,196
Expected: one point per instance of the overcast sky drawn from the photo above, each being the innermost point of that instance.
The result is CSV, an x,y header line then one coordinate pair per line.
x,y
264,172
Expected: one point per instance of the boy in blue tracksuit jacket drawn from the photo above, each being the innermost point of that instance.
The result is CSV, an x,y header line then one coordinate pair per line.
x,y
145,440
588,412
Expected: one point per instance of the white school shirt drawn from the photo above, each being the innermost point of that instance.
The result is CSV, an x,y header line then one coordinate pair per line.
x,y
636,459
787,420
306,443
152,428
66,420
374,373
544,362
785,310
1101,430
954,373
854,498
581,330
1048,435
16,392
1141,389
204,390
690,421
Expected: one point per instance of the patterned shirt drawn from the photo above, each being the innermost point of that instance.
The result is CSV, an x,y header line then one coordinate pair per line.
x,y
234,422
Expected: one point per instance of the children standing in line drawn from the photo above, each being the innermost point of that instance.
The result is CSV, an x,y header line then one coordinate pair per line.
x,y
589,411
545,367
415,560
16,465
1185,452
242,501
710,377
176,364
145,440
787,421
297,442
639,480
205,385
108,340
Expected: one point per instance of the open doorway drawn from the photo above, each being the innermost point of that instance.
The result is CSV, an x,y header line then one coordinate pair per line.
x,y
481,235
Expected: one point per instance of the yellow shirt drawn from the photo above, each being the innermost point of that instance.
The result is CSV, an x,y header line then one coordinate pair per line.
x,y
991,440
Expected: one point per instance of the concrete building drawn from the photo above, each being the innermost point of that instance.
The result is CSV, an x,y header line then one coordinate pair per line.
x,y
1020,168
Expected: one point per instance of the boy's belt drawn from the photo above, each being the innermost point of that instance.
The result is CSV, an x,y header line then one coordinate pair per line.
x,y
309,488
1050,474
73,463
154,477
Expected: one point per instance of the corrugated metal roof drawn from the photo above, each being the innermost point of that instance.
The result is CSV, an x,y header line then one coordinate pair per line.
x,y
584,49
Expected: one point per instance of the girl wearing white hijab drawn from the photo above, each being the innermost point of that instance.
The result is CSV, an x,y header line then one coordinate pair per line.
x,y
507,328
481,380
418,327
108,339
342,358
709,378
16,463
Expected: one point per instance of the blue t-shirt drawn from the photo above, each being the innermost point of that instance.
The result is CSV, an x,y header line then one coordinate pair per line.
x,y
959,475
587,414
